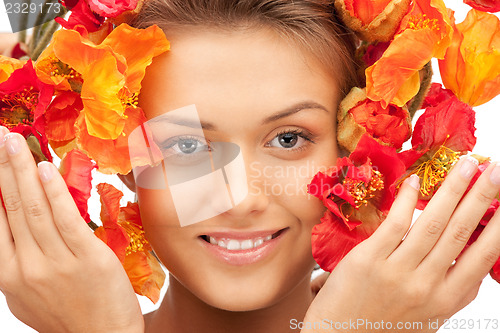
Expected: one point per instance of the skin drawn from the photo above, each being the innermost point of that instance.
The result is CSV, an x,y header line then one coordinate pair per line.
x,y
47,259
417,282
237,80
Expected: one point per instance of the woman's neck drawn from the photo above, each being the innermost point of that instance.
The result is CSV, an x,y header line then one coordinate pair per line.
x,y
181,311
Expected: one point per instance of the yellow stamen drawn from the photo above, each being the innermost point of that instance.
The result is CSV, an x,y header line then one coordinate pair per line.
x,y
433,171
137,240
17,108
55,67
421,21
362,192
132,100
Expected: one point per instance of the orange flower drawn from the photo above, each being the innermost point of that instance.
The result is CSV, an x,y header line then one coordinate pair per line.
x,y
108,76
8,66
111,155
122,232
376,20
395,78
471,66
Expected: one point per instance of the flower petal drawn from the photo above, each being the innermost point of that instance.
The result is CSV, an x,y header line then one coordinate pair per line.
x,y
332,240
76,170
471,66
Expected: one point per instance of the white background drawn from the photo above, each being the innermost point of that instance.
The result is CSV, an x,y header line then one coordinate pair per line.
x,y
485,306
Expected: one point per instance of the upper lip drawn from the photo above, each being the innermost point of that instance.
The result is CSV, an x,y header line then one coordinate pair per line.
x,y
241,235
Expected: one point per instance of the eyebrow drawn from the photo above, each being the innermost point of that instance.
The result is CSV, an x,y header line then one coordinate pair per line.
x,y
185,122
289,111
308,105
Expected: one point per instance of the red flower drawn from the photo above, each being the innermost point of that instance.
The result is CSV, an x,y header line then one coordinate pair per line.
x,y
332,241
62,114
111,232
23,100
362,185
491,6
436,95
374,52
358,115
442,133
76,170
81,15
390,125
112,8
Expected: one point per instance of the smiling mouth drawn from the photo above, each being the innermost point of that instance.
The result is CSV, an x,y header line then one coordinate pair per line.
x,y
232,244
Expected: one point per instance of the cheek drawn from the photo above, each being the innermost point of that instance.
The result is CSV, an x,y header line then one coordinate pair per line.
x,y
157,208
306,208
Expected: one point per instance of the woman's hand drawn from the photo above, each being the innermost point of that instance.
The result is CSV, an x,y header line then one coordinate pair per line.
x,y
56,275
386,281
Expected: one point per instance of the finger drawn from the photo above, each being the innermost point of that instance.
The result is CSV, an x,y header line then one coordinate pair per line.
x,y
10,195
71,226
391,232
429,226
7,248
6,240
25,185
464,220
476,262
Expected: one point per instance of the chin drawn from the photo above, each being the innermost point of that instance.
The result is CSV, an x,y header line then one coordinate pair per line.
x,y
248,288
242,296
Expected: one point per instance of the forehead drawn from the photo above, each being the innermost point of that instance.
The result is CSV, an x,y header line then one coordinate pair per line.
x,y
233,73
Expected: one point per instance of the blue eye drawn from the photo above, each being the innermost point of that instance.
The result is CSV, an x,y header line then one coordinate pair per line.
x,y
291,140
183,146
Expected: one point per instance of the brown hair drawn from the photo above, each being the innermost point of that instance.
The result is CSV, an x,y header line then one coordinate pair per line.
x,y
310,23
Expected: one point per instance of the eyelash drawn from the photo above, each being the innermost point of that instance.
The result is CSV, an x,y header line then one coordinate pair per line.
x,y
179,138
301,133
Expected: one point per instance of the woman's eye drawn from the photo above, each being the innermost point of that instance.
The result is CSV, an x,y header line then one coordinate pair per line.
x,y
291,140
184,146
188,146
287,140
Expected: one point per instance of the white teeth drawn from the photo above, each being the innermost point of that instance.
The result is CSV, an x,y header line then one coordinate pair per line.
x,y
258,242
233,245
246,244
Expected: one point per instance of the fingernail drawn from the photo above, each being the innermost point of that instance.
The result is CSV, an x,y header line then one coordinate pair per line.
x,y
45,170
469,167
414,181
495,175
3,131
12,143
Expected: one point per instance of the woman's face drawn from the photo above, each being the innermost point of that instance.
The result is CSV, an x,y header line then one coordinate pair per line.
x,y
261,93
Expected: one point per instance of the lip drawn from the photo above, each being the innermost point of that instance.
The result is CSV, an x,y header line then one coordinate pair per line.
x,y
243,257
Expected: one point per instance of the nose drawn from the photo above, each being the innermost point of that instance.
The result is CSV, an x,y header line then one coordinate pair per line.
x,y
253,204
256,200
